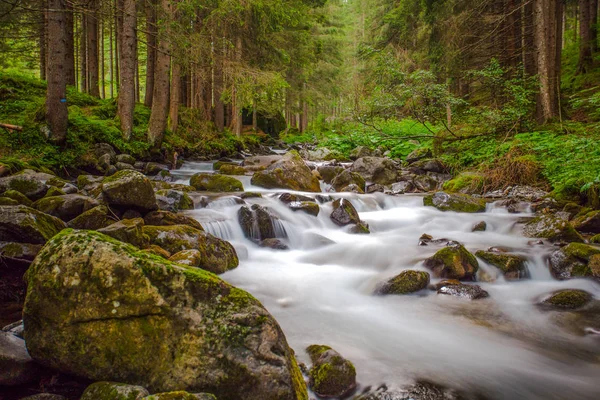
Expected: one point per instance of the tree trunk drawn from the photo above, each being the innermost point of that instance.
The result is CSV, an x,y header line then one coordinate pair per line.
x,y
92,48
102,63
585,39
111,58
127,57
70,73
175,96
594,26
218,91
160,102
528,42
236,106
42,40
56,101
83,73
151,33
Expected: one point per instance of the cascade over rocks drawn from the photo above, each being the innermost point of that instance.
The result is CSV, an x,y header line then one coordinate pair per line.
x,y
114,313
258,223
26,225
453,262
288,173
129,189
512,266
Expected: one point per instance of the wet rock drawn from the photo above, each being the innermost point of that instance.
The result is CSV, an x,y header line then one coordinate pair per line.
x,y
512,266
113,391
360,152
329,172
352,188
191,258
308,207
567,299
275,244
126,159
174,200
216,183
28,183
16,366
321,198
96,218
128,231
552,228
376,170
129,189
461,290
576,260
455,202
66,207
345,214
291,197
288,173
257,222
123,166
229,169
428,165
251,195
19,197
142,320
406,282
16,328
425,183
346,178
167,218
589,223
402,187
153,169
375,188
331,375
453,262
26,225
218,255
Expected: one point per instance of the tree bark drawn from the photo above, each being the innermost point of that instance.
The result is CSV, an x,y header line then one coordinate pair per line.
x,y
128,55
42,40
585,39
56,101
70,73
236,106
594,26
175,96
151,33
218,91
83,73
92,48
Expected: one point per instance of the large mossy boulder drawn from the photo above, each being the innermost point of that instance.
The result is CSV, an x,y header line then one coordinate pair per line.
x,y
129,231
218,255
167,218
344,214
455,202
453,262
129,189
216,183
288,173
66,207
29,183
347,178
19,197
114,391
406,282
376,170
100,309
26,225
513,267
566,299
576,260
329,172
96,218
589,223
257,222
174,200
331,375
552,228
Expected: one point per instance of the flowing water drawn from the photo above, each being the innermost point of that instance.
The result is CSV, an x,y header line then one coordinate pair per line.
x,y
320,291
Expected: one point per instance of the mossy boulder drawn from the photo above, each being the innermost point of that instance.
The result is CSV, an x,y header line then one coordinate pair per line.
x,y
216,183
552,228
96,218
480,226
329,172
345,178
461,290
125,158
595,239
309,207
576,260
290,172
331,375
218,255
27,225
5,201
181,395
28,183
19,197
54,191
567,299
406,282
174,200
19,251
167,218
512,266
257,222
128,231
191,258
66,207
376,170
455,202
129,189
113,391
344,214
153,169
232,169
157,251
100,309
589,223
466,182
453,262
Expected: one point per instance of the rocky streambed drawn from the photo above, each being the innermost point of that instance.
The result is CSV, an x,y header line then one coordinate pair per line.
x,y
386,295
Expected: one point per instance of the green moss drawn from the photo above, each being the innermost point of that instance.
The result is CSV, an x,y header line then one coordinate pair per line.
x,y
467,182
568,299
405,283
179,395
453,262
507,263
54,191
229,169
595,239
18,196
5,201
457,202
580,250
216,183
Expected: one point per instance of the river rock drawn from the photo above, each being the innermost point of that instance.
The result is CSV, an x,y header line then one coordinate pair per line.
x,y
275,244
16,328
124,166
174,200
461,290
360,152
576,260
512,266
26,225
218,255
167,218
191,258
216,183
115,313
128,231
96,218
19,197
309,207
16,366
29,183
453,262
19,251
6,201
589,223
66,207
345,214
402,187
376,170
257,222
345,178
129,189
552,228
288,173
567,299
422,390
153,169
113,391
126,159
328,172
406,282
425,183
293,197
181,395
480,226
428,165
331,375
232,169
418,154
455,202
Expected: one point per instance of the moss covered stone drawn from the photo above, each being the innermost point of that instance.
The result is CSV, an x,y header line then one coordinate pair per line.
x,y
406,282
20,251
331,375
512,266
576,260
216,183
174,200
19,197
455,202
232,169
553,228
595,239
346,178
461,290
129,189
113,391
167,218
191,258
93,219
157,251
309,207
288,173
344,214
589,222
181,395
26,225
100,309
128,231
29,184
376,170
66,207
257,222
329,172
5,201
568,299
466,182
453,262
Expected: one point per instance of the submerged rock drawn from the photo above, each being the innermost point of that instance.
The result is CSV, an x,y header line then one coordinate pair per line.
x,y
576,260
552,228
512,266
455,202
275,244
464,291
16,366
331,375
308,207
406,282
480,226
288,173
115,313
567,299
26,225
453,262
216,183
422,390
129,189
113,391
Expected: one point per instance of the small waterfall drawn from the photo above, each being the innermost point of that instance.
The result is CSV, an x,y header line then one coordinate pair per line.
x,y
222,229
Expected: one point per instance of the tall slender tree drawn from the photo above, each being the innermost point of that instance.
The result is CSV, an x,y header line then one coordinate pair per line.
x,y
127,60
56,95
